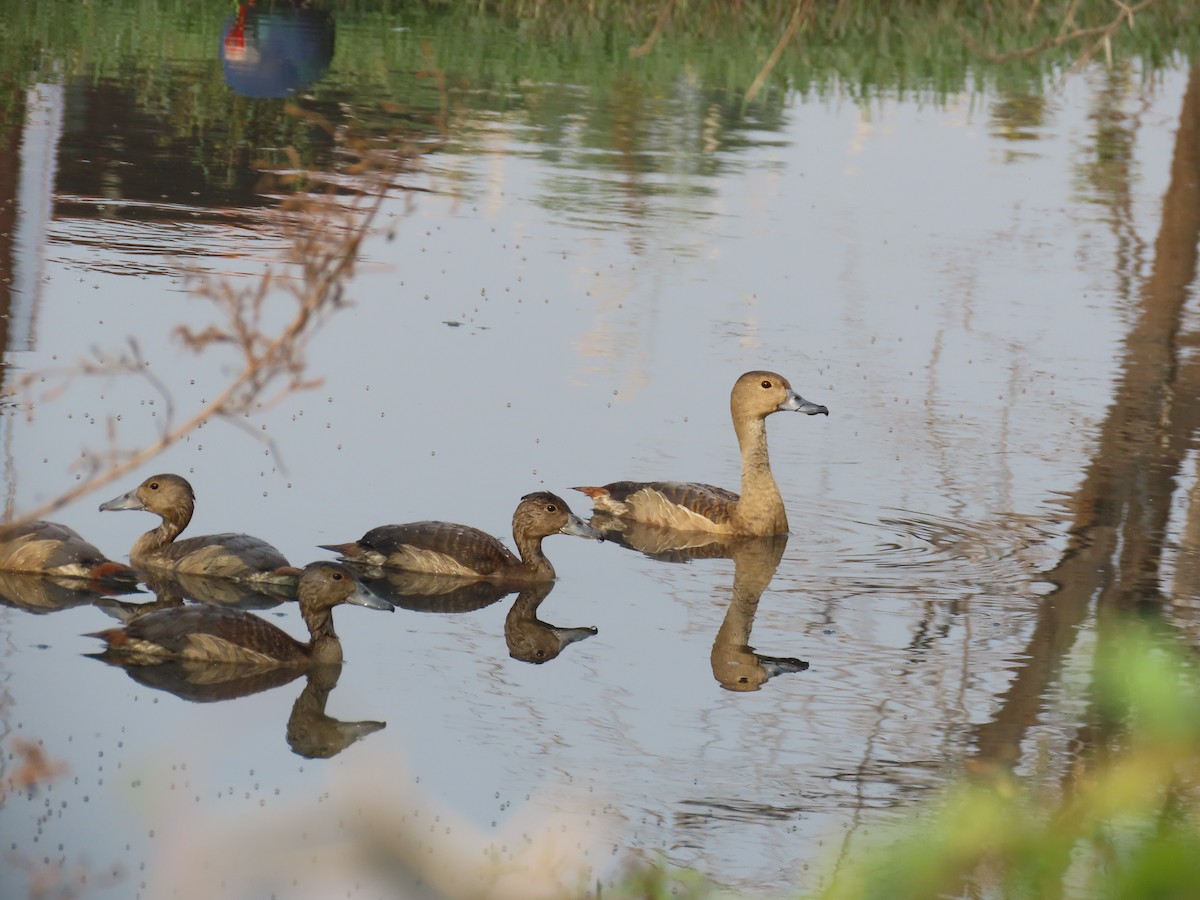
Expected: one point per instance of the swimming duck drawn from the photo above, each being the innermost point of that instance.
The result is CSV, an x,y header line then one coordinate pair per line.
x,y
447,549
54,549
221,635
690,506
237,556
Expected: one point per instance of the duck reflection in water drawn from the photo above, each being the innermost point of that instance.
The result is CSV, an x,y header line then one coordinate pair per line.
x,y
735,664
38,593
174,591
446,548
310,732
422,592
219,634
529,639
238,557
313,734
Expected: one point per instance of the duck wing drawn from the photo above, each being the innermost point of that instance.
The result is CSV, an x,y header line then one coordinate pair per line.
x,y
213,633
222,556
46,546
680,505
437,547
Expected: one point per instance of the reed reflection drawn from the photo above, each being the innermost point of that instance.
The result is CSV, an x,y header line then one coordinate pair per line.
x,y
735,664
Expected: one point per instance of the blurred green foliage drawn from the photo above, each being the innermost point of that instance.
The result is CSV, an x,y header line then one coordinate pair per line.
x,y
1115,818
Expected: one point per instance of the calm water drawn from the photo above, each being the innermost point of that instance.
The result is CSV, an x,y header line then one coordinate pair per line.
x,y
538,310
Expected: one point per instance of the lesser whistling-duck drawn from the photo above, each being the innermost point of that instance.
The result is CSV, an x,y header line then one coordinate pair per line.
x,y
237,556
218,634
691,506
53,549
448,549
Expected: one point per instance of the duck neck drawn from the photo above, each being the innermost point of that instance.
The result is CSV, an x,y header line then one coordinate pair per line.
x,y
173,522
324,646
760,509
533,561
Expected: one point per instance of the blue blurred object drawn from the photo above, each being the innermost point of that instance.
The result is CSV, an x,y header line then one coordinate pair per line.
x,y
275,51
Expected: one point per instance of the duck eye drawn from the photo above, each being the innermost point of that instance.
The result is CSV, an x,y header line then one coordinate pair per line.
x,y
153,485
550,507
337,576
766,383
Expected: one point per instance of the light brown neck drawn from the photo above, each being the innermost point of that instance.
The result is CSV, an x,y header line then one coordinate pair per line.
x,y
760,509
173,522
324,646
534,564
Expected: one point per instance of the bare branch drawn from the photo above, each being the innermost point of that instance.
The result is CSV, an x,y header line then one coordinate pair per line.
x,y
784,40
1098,36
325,234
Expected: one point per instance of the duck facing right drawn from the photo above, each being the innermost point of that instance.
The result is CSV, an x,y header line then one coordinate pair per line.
x,y
692,506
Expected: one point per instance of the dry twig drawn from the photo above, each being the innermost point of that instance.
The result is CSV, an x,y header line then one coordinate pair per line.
x,y
325,232
784,40
1102,35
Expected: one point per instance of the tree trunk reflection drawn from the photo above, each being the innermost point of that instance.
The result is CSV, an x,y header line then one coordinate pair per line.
x,y
1120,511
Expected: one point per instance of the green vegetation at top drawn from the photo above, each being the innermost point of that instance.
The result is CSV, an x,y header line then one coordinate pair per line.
x,y
937,46
863,45
599,78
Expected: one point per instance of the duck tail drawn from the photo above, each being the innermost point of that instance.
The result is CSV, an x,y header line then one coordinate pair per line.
x,y
114,571
596,493
114,637
350,551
